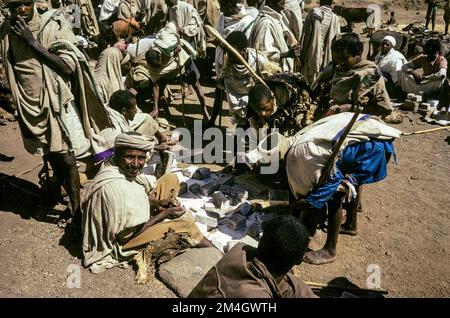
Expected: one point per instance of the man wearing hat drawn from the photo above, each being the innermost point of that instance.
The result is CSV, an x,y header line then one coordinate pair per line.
x,y
117,214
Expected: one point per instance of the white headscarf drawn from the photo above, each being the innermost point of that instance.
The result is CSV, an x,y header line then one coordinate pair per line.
x,y
392,62
390,39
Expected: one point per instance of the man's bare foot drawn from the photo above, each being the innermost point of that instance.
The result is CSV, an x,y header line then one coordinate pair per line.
x,y
319,257
347,230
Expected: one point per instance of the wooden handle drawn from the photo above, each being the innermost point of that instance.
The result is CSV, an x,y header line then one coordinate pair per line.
x,y
327,169
321,285
424,131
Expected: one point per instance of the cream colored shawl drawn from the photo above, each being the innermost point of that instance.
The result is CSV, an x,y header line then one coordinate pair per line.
x,y
189,23
55,34
268,37
113,208
316,54
292,15
108,74
308,151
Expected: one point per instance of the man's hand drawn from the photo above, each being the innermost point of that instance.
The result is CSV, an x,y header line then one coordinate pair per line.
x,y
293,52
20,28
174,212
336,109
417,77
162,147
122,46
154,113
168,203
297,50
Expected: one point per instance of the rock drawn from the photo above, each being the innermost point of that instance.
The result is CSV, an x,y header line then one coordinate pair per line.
x,y
279,197
209,188
220,201
410,105
202,174
183,188
219,214
254,186
184,272
194,188
253,230
236,221
246,208
189,171
206,220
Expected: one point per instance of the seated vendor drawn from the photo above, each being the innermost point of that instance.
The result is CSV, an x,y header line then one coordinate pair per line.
x,y
124,209
434,67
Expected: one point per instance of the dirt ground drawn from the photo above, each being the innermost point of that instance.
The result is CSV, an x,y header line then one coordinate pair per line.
x,y
404,228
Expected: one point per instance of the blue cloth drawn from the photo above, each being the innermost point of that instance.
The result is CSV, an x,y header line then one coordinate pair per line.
x,y
360,163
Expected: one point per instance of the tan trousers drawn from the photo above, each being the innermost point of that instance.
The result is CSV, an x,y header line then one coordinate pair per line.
x,y
167,187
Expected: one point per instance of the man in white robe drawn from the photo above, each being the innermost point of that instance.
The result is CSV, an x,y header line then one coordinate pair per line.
x,y
60,114
123,209
320,28
293,15
272,37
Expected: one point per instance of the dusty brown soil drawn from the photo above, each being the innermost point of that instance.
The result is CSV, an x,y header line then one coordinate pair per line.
x,y
404,227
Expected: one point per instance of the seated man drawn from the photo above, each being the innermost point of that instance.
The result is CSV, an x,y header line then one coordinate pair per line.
x,y
362,160
123,209
434,66
264,272
356,79
390,62
126,117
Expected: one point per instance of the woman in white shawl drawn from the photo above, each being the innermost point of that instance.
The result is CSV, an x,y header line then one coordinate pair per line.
x,y
390,62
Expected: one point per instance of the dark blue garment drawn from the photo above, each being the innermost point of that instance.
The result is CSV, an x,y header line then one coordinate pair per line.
x,y
360,163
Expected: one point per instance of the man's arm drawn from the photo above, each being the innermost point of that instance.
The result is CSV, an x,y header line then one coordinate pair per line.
x,y
155,90
410,68
20,28
168,213
437,76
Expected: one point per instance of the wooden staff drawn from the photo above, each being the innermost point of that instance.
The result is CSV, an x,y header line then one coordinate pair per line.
x,y
350,288
424,131
240,58
327,169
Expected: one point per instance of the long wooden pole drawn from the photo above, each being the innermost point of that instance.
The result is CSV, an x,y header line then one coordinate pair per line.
x,y
240,58
350,288
424,131
327,169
